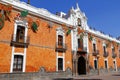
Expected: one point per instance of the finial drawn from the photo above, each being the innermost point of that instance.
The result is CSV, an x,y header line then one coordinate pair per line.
x,y
72,8
77,6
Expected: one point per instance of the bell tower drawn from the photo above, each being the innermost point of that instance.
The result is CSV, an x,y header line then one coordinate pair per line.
x,y
77,17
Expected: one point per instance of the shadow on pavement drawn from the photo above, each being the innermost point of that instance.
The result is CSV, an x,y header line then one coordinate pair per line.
x,y
74,79
116,75
63,79
87,79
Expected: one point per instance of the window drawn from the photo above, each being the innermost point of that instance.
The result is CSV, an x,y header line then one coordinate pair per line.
x,y
94,47
60,40
104,49
20,34
95,64
79,22
106,66
114,64
113,50
60,64
18,63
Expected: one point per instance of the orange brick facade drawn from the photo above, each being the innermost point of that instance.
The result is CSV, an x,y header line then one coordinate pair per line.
x,y
41,50
99,45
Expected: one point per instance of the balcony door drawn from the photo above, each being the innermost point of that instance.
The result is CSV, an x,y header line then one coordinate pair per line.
x,y
94,47
20,34
60,64
81,65
60,40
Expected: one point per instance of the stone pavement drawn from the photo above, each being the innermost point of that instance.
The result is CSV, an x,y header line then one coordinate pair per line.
x,y
37,76
109,76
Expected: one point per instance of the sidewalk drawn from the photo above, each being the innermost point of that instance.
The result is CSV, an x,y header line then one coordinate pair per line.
x,y
109,76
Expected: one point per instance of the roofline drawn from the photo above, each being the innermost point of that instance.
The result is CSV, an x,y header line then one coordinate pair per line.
x,y
37,11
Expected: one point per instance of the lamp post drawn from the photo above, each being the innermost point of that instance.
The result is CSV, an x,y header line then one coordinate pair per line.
x,y
98,56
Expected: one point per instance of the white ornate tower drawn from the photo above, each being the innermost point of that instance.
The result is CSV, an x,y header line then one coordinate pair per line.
x,y
79,21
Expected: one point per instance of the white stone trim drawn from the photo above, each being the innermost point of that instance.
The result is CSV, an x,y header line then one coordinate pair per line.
x,y
12,59
24,60
37,11
63,61
56,61
17,53
104,44
101,35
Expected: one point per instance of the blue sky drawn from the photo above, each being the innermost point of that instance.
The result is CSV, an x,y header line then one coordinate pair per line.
x,y
103,15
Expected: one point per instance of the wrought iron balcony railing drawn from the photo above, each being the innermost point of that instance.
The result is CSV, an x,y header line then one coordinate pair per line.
x,y
62,47
82,49
20,41
114,55
106,54
95,53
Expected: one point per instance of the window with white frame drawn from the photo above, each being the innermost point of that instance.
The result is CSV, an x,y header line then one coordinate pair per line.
x,y
79,43
94,47
60,64
95,64
104,49
114,64
106,64
20,34
60,40
18,63
60,36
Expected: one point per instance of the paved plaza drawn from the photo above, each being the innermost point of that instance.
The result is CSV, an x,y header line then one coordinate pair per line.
x,y
34,76
113,76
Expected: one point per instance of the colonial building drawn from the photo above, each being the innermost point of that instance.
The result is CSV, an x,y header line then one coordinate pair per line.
x,y
33,38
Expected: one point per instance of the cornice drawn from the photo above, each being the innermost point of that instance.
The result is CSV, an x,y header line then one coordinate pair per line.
x,y
37,11
101,35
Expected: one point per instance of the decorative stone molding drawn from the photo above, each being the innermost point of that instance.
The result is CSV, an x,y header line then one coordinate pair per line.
x,y
68,70
42,70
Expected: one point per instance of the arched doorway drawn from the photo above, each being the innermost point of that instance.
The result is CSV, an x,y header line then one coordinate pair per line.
x,y
81,65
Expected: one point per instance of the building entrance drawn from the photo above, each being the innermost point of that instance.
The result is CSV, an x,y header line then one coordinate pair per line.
x,y
81,65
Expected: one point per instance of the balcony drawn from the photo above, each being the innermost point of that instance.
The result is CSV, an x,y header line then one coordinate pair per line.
x,y
82,50
60,47
95,53
106,54
20,41
114,55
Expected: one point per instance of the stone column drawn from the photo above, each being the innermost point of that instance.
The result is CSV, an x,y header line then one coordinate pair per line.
x,y
76,67
74,63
